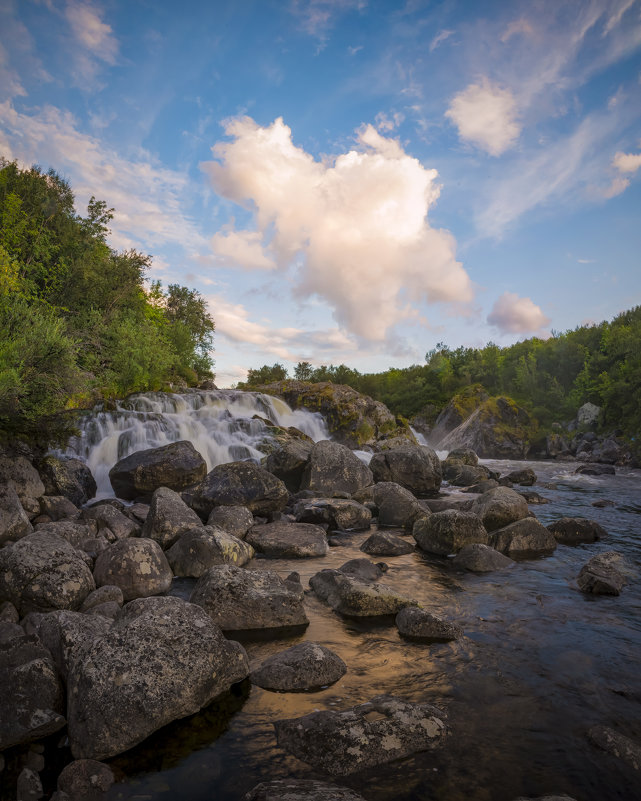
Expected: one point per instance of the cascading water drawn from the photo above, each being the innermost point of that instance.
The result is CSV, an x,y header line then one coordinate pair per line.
x,y
223,426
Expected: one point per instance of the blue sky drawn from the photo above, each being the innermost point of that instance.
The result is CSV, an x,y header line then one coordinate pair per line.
x,y
348,180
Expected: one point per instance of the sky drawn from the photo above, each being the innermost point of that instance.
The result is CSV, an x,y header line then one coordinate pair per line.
x,y
348,181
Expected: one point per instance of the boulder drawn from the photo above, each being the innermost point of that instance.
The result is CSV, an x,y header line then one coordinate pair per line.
x,y
352,596
8,613
380,731
288,461
603,575
363,570
575,530
42,572
236,520
85,780
29,785
533,497
417,468
459,474
616,744
396,505
176,466
19,471
57,507
382,543
137,566
596,470
523,539
108,593
465,455
203,547
588,415
162,660
31,694
499,507
419,624
237,599
109,518
335,513
526,477
76,532
333,468
561,797
479,558
283,540
14,522
305,666
169,517
482,486
240,484
300,790
448,531
68,477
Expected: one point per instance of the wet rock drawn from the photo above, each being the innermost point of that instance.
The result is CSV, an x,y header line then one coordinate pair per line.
x,y
137,566
29,786
364,570
418,624
372,734
85,780
465,455
352,596
203,547
283,540
169,517
523,539
236,520
603,575
532,497
603,503
240,484
288,461
305,666
176,466
237,599
482,486
447,532
110,518
24,477
596,470
499,507
526,477
417,468
335,513
68,477
461,468
332,468
31,695
479,558
57,507
163,659
617,744
63,631
382,543
42,572
14,522
300,790
396,505
575,530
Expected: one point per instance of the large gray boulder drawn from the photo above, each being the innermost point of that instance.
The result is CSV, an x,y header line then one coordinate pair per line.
x,y
68,477
240,484
163,659
603,574
137,566
14,522
203,547
333,468
352,596
523,539
305,666
19,471
448,531
372,734
42,572
479,558
335,513
177,466
57,507
236,520
417,468
300,790
237,599
575,530
169,517
288,461
76,532
284,540
499,507
111,521
31,694
84,780
396,505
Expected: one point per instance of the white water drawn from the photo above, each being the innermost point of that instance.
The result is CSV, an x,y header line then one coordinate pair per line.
x,y
218,423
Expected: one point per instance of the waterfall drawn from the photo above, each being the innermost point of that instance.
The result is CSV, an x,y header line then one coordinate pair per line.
x,y
220,424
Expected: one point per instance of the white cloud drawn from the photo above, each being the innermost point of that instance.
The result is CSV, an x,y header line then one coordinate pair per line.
x,y
486,115
388,124
440,37
627,162
514,315
616,187
90,31
354,227
317,16
241,249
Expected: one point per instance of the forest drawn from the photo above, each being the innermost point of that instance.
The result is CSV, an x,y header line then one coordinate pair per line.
x,y
78,322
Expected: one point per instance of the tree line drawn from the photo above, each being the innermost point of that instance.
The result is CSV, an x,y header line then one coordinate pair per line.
x,y
78,322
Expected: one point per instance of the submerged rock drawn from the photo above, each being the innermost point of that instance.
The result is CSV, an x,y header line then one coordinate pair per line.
x,y
283,540
301,790
575,530
304,666
372,734
419,624
602,574
382,543
479,558
176,466
354,597
617,744
162,660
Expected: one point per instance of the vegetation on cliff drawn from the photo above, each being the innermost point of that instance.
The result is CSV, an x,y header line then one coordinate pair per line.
x,y
77,320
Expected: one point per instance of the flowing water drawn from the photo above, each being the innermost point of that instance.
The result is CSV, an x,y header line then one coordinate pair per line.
x,y
538,665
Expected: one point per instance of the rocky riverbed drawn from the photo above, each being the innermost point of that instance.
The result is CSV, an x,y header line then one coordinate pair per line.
x,y
396,672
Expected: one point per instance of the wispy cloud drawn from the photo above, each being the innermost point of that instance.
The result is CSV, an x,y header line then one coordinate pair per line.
x,y
317,17
94,39
440,37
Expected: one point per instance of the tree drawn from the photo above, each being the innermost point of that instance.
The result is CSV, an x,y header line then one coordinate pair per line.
x,y
266,375
303,371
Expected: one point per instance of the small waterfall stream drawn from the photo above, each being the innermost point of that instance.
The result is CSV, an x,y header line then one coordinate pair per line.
x,y
223,426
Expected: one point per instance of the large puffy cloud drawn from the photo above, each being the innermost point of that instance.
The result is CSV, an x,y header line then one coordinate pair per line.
x,y
627,162
486,115
354,227
514,315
